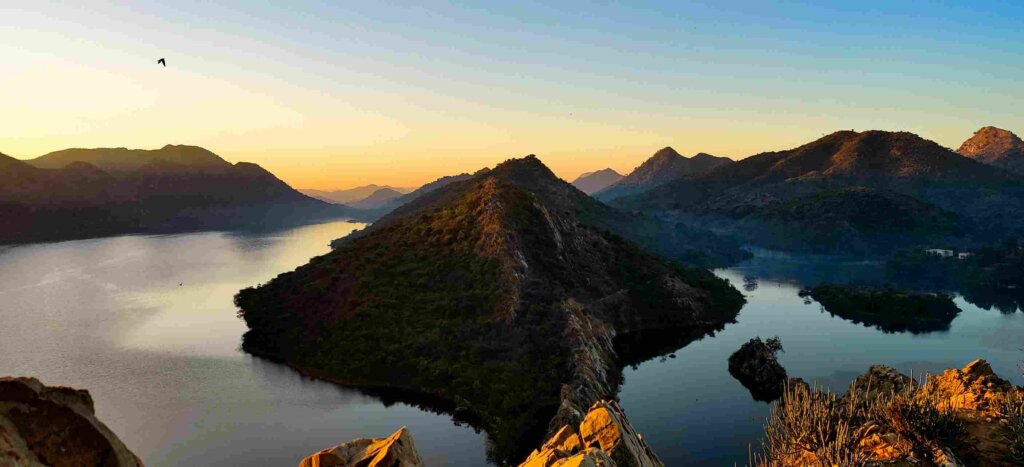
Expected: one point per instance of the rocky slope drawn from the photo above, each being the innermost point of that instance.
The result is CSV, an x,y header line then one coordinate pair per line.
x,y
664,166
397,450
497,294
960,417
856,193
592,182
997,147
54,426
171,189
603,439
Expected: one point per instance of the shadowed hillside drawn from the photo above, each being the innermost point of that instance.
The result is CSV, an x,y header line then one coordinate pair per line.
x,y
494,292
848,192
142,191
664,166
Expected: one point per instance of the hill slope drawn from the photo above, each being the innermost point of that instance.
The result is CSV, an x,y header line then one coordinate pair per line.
x,y
997,147
664,166
592,182
493,293
350,195
846,189
185,191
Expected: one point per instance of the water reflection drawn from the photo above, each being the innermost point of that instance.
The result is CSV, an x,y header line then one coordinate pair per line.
x,y
147,324
693,412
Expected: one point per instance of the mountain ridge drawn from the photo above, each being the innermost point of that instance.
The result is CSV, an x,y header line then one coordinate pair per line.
x,y
493,293
664,166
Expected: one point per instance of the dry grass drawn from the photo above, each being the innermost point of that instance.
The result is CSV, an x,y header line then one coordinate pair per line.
x,y
817,427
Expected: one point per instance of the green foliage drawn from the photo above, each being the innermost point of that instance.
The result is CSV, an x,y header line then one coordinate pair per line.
x,y
888,309
437,302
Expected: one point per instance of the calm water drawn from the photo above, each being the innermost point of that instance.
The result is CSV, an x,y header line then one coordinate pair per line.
x,y
147,324
693,412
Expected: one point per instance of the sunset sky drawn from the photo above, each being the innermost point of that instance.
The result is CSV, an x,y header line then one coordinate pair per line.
x,y
337,95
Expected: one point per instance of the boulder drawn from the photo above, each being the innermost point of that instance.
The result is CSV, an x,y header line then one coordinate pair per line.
x,y
880,379
54,426
975,387
604,438
756,366
396,450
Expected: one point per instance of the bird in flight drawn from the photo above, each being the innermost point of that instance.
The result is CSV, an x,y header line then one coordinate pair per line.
x,y
162,62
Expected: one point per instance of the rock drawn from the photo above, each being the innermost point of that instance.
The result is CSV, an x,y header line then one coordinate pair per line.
x,y
605,438
975,387
396,450
755,366
880,379
54,426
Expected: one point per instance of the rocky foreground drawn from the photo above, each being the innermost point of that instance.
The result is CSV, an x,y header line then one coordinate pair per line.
x,y
961,417
604,439
54,426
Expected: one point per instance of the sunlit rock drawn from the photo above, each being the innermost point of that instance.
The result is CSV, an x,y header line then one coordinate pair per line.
x,y
605,438
54,426
396,450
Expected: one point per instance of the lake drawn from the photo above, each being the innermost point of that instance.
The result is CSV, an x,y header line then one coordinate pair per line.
x,y
147,324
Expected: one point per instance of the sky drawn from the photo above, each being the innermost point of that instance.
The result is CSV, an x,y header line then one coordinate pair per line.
x,y
332,95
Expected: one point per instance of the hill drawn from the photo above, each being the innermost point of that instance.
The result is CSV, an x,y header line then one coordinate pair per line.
x,y
493,293
592,182
115,160
848,192
186,191
997,147
377,199
664,166
350,195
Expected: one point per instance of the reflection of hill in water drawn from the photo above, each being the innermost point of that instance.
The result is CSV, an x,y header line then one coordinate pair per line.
x,y
806,269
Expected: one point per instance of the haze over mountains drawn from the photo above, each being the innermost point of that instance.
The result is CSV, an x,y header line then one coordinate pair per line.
x,y
664,166
592,182
352,195
79,193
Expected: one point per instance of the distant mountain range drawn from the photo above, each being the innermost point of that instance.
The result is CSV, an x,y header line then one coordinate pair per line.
x,y
499,293
352,195
79,193
848,192
592,182
664,166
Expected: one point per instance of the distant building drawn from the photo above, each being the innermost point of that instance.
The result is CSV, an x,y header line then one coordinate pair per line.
x,y
940,252
963,255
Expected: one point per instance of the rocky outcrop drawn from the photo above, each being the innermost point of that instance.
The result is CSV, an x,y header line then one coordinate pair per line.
x,y
604,438
396,450
960,417
756,366
54,426
995,146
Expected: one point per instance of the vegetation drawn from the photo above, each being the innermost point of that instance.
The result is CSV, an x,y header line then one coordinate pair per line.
x,y
465,298
812,427
999,266
887,309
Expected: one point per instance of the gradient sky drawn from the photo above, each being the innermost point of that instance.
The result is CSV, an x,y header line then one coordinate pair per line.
x,y
337,95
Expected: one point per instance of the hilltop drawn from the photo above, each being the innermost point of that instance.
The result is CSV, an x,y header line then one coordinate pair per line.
x,y
84,193
664,166
592,182
995,146
852,192
496,293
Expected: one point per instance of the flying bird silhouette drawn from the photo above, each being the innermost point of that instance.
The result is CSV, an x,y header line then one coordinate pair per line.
x,y
162,62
